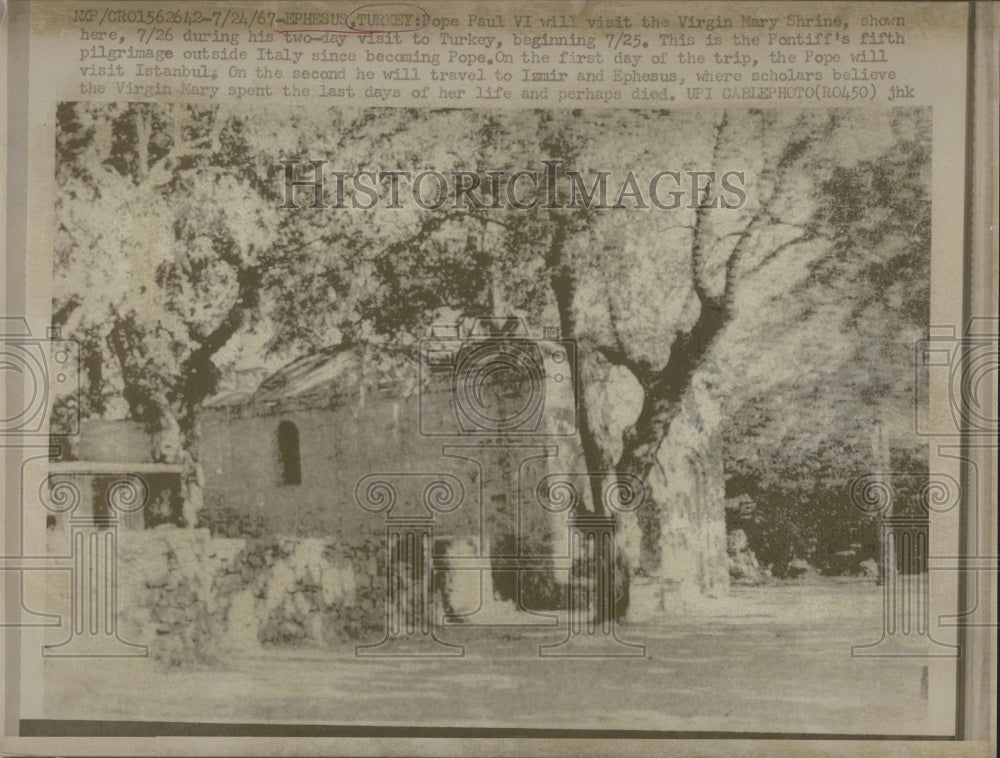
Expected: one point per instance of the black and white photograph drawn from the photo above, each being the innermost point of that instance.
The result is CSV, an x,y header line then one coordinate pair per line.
x,y
492,378
534,409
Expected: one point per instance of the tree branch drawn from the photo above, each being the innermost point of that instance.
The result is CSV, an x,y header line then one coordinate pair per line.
x,y
248,280
563,284
665,391
158,171
793,150
804,237
199,374
142,132
700,228
61,316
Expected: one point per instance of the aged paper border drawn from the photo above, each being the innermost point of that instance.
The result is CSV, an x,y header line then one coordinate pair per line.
x,y
976,696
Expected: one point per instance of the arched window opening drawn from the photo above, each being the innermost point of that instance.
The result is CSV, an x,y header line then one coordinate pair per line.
x,y
288,453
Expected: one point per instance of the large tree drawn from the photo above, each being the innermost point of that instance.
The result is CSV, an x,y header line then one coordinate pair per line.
x,y
163,237
681,317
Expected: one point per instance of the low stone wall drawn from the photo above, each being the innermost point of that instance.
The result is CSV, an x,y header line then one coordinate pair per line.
x,y
191,597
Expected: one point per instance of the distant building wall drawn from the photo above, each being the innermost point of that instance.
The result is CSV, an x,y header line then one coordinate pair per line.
x,y
245,493
244,465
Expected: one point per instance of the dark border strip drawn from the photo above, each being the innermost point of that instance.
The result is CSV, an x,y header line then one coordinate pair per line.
x,y
968,543
84,728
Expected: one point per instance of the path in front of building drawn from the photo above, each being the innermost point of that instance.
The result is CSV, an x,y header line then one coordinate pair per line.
x,y
769,659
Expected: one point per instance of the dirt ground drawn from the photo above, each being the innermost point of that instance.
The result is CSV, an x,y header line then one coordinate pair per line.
x,y
767,659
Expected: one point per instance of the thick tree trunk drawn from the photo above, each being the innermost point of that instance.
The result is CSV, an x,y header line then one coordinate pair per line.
x,y
609,400
683,531
170,410
598,450
674,546
690,488
677,538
